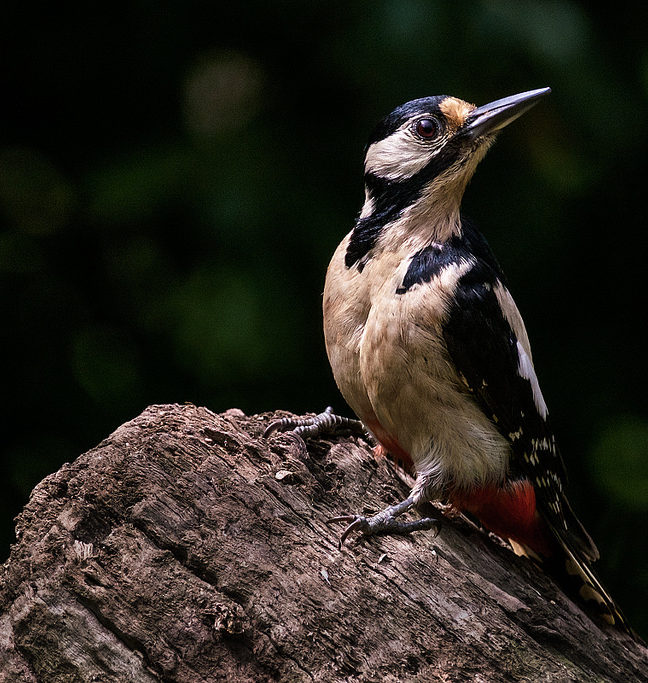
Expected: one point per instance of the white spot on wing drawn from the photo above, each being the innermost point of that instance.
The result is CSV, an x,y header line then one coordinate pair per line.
x,y
514,436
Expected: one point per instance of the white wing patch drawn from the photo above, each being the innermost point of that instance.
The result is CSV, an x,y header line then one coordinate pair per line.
x,y
525,361
525,368
512,316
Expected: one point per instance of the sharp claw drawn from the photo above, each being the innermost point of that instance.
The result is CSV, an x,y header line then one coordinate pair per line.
x,y
385,522
356,524
344,518
272,428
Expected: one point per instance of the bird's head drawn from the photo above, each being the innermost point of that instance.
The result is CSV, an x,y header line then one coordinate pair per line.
x,y
426,151
439,135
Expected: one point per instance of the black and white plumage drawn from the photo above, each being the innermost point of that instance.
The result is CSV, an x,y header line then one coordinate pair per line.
x,y
429,349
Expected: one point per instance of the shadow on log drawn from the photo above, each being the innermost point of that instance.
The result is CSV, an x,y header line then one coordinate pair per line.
x,y
185,547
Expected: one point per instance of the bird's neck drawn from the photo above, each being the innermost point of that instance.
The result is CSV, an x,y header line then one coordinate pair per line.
x,y
413,211
434,218
406,216
433,215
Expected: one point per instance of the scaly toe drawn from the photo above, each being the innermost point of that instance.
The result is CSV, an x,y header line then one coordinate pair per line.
x,y
325,423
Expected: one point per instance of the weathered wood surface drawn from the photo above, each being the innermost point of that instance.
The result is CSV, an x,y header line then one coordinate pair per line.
x,y
185,547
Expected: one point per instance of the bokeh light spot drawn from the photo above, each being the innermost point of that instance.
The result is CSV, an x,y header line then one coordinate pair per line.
x,y
216,321
104,363
35,197
222,93
620,461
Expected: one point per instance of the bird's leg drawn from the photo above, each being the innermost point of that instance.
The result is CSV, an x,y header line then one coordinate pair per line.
x,y
385,522
311,427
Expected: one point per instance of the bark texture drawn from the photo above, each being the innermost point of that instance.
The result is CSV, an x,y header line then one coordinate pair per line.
x,y
185,547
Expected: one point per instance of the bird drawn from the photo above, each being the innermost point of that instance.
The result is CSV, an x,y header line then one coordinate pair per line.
x,y
430,351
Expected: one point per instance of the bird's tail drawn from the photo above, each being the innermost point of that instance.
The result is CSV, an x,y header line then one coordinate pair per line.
x,y
576,571
589,587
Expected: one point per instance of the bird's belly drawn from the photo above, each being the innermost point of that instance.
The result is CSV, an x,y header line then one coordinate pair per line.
x,y
346,305
419,399
390,362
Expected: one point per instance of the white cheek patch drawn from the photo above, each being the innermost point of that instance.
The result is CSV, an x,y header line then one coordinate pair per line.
x,y
398,157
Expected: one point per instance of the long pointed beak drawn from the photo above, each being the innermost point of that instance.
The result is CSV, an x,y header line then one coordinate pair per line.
x,y
494,116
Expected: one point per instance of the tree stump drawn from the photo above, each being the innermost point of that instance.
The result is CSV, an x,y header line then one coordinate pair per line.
x,y
186,547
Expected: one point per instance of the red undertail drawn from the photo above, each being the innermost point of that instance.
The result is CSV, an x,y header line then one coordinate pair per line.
x,y
510,512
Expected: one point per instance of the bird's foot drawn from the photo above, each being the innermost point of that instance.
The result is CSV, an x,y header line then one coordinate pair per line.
x,y
385,522
325,423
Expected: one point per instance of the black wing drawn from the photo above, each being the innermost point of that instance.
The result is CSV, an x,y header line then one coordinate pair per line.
x,y
487,343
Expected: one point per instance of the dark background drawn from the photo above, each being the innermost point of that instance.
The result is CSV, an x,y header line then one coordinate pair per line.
x,y
174,177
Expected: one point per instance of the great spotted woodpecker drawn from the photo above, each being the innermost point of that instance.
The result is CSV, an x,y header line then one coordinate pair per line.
x,y
430,351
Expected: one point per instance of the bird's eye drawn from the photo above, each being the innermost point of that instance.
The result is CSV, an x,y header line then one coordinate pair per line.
x,y
427,128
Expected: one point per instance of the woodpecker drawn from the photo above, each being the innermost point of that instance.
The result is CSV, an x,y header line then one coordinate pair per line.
x,y
429,349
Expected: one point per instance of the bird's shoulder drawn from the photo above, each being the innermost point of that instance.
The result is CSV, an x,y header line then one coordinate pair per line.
x,y
466,274
485,338
467,251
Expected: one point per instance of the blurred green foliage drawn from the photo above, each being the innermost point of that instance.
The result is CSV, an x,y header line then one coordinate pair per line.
x,y
174,177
